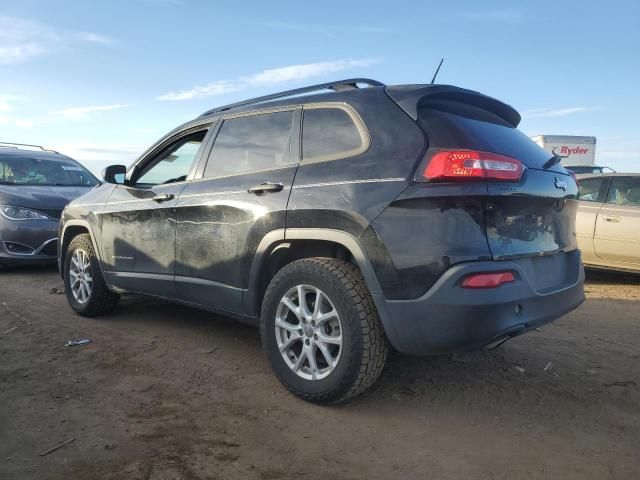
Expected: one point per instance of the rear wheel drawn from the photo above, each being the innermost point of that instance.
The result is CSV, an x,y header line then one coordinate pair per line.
x,y
85,288
321,332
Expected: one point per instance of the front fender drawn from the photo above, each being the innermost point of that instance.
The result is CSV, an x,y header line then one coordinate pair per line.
x,y
70,229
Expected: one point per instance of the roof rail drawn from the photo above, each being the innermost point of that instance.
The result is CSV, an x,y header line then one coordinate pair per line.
x,y
338,85
29,146
18,145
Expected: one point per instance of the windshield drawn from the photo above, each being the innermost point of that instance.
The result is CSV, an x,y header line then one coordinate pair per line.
x,y
39,171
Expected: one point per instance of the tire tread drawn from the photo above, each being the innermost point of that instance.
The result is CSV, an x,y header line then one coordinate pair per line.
x,y
375,347
103,300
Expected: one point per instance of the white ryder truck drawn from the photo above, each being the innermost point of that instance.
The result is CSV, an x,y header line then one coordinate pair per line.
x,y
572,149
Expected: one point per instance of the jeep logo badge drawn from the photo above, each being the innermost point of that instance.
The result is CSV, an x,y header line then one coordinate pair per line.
x,y
561,184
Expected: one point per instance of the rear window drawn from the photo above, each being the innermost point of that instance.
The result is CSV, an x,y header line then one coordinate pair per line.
x,y
448,130
330,134
20,170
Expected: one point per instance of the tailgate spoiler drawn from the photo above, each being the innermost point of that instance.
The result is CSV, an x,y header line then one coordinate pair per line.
x,y
411,97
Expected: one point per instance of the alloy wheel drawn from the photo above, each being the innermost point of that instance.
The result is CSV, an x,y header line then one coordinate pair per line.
x,y
308,332
81,280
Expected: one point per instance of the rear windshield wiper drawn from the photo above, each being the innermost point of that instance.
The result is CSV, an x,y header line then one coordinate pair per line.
x,y
556,159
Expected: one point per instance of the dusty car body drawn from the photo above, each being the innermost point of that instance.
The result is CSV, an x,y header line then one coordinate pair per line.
x,y
339,221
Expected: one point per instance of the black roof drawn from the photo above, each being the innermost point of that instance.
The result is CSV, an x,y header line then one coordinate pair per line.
x,y
337,86
408,97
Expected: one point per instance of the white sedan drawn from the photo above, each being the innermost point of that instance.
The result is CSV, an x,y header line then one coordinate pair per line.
x,y
608,221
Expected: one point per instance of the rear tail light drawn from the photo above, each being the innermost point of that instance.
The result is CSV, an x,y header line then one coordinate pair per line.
x,y
487,280
460,165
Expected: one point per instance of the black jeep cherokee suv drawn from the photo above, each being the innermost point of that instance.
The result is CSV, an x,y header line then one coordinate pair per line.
x,y
342,221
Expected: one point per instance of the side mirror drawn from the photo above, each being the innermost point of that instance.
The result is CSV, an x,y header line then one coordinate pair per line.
x,y
115,174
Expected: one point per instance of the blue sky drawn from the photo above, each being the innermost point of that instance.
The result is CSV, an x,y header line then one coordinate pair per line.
x,y
102,80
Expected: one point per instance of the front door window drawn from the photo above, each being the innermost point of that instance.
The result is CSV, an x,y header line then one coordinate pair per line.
x,y
173,163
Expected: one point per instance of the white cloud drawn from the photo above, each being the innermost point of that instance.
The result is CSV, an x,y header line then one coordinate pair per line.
x,y
21,40
20,53
72,114
268,77
216,88
558,112
501,15
7,108
92,37
25,122
81,113
87,150
329,30
302,72
5,103
97,156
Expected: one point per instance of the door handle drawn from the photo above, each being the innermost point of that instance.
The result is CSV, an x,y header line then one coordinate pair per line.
x,y
165,197
611,219
266,187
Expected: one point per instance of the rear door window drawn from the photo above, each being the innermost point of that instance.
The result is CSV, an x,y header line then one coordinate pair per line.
x,y
625,191
250,144
592,189
330,133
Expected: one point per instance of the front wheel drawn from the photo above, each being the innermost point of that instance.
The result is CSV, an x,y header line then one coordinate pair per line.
x,y
85,288
321,332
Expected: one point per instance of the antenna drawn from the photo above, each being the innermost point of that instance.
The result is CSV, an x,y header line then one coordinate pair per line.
x,y
433,80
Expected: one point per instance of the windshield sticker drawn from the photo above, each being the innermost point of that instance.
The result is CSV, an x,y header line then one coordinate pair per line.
x,y
71,168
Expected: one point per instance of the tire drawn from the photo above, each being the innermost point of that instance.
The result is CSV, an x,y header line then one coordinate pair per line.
x,y
99,299
356,364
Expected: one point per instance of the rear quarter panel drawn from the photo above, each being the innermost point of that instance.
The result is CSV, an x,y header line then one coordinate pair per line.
x,y
427,229
347,194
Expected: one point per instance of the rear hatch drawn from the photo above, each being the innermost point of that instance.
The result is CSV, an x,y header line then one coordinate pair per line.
x,y
529,216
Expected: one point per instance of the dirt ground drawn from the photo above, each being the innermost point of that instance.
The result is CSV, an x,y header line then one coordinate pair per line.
x,y
168,392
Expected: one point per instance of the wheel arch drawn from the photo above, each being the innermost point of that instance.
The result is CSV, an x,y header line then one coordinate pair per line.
x,y
72,229
315,240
